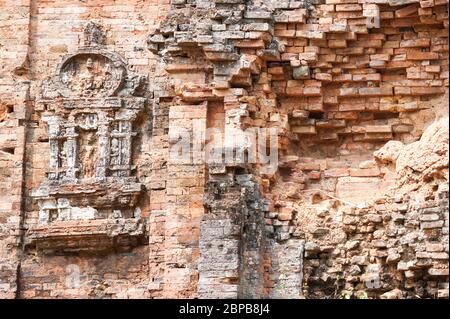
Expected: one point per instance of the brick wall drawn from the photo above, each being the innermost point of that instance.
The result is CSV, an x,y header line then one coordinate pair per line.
x,y
356,208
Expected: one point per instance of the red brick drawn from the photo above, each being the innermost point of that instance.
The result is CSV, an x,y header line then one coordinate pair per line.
x,y
358,172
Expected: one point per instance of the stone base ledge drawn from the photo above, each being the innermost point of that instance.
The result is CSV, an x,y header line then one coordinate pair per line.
x,y
87,235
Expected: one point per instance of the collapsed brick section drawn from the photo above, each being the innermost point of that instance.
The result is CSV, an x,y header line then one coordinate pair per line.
x,y
93,204
338,79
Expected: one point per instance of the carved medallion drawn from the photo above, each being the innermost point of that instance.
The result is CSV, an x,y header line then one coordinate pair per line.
x,y
92,75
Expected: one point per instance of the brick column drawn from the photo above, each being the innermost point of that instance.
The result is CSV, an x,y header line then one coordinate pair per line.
x,y
185,189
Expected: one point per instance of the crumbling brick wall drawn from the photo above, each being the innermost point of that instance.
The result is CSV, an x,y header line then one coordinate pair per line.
x,y
95,97
35,36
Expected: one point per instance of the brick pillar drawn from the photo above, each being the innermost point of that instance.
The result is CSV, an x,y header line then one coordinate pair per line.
x,y
232,238
185,188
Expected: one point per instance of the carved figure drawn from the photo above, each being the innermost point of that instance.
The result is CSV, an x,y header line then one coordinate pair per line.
x,y
90,160
63,156
115,151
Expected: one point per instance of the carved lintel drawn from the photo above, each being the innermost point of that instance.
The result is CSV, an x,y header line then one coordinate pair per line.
x,y
87,235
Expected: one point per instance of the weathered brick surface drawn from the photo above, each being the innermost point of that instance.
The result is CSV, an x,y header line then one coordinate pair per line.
x,y
95,95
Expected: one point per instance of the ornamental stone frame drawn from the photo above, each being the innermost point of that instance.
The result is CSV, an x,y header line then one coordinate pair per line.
x,y
90,105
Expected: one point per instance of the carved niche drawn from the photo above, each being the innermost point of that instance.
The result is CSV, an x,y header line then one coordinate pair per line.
x,y
90,106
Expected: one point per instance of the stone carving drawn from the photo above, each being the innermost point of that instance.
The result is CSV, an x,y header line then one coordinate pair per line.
x,y
87,121
90,105
115,151
91,75
94,35
92,72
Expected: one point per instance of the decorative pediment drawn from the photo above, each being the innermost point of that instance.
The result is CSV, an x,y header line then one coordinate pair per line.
x,y
92,71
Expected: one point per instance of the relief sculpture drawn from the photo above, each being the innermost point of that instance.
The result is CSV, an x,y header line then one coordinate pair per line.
x,y
90,106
